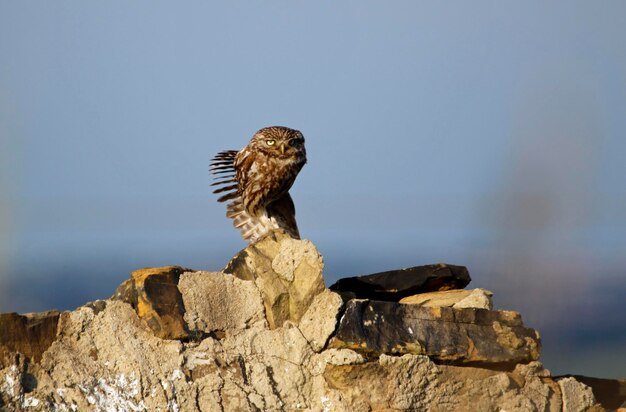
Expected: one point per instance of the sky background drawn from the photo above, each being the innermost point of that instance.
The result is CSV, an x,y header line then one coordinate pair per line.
x,y
486,134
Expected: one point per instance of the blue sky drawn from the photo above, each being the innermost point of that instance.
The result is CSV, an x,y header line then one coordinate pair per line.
x,y
489,134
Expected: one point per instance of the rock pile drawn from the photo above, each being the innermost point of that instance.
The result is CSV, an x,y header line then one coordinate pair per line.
x,y
265,335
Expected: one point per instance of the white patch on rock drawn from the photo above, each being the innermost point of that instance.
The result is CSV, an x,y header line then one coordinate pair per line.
x,y
30,402
9,381
113,394
176,374
326,403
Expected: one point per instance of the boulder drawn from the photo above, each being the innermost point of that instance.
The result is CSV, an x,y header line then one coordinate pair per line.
x,y
154,294
397,284
287,271
460,336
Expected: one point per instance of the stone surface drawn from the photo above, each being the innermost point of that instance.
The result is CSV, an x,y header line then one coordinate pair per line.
x,y
447,334
397,284
457,298
320,320
479,298
576,396
288,272
154,294
610,393
215,301
415,383
30,334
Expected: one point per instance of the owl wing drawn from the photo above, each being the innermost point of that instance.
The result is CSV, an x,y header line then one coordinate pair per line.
x,y
255,206
229,176
223,169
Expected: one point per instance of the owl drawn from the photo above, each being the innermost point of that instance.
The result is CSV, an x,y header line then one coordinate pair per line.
x,y
256,181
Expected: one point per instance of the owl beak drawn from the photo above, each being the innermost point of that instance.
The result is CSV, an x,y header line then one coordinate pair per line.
x,y
282,148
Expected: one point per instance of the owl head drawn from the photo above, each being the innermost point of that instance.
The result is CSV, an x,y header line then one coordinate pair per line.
x,y
279,141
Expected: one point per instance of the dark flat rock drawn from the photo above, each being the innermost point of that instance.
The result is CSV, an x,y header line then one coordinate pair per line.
x,y
458,336
394,285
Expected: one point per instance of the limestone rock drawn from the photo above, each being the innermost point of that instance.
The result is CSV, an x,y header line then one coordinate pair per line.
x,y
457,298
610,393
320,320
219,302
154,294
134,352
106,358
29,334
577,397
340,357
414,382
479,298
397,284
452,335
288,272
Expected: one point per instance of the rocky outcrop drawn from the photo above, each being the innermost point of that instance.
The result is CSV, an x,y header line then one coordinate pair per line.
x,y
461,336
179,340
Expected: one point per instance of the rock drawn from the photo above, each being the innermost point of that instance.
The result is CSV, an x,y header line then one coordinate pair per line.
x,y
445,298
479,298
462,336
110,360
338,357
397,284
610,393
320,320
154,294
106,358
577,397
219,302
30,334
414,382
457,298
288,272
134,352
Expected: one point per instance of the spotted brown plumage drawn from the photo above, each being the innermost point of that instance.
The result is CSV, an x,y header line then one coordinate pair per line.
x,y
256,181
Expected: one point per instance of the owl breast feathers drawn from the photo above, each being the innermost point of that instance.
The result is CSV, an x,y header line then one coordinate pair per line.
x,y
256,182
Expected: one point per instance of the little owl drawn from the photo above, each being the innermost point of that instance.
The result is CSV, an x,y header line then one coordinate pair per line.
x,y
256,180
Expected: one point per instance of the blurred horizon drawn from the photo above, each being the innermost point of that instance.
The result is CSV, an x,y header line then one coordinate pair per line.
x,y
487,135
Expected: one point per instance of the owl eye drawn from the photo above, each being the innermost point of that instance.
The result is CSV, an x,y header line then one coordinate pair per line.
x,y
270,142
295,142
